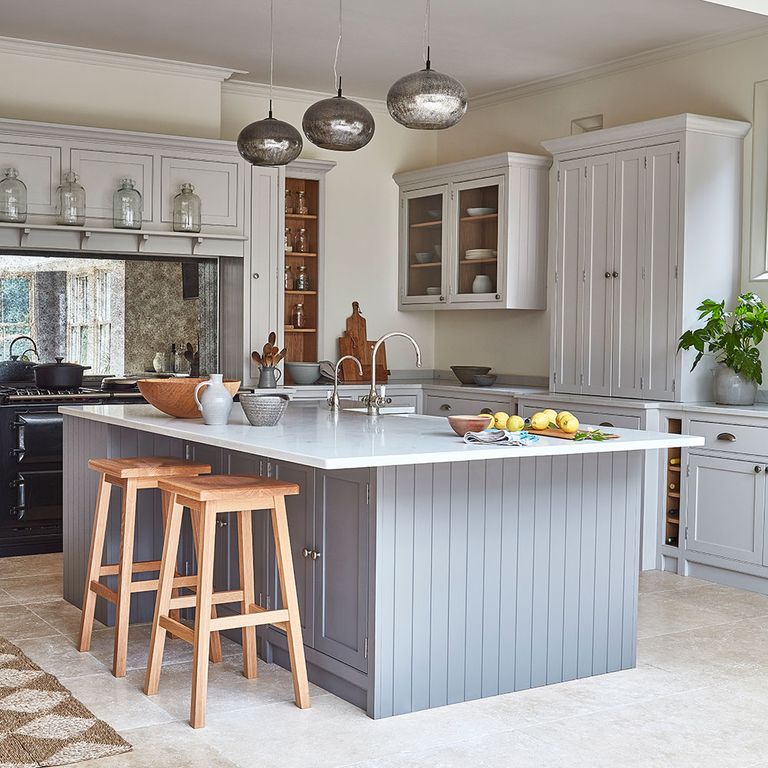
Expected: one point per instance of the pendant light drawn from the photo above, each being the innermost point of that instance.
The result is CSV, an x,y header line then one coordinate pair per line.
x,y
427,100
270,142
338,123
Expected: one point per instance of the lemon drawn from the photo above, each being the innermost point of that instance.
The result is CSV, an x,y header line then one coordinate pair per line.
x,y
515,423
562,416
500,420
539,421
550,414
569,426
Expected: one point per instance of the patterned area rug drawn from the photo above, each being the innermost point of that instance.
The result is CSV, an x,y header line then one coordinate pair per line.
x,y
41,723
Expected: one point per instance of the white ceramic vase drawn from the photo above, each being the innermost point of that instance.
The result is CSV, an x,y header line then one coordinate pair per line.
x,y
215,402
732,388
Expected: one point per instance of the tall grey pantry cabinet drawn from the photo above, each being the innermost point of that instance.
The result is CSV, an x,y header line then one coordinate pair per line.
x,y
646,223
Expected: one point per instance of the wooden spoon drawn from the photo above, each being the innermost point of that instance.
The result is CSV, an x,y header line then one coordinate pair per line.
x,y
280,356
272,338
256,357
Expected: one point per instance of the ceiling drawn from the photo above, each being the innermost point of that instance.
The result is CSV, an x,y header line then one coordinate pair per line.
x,y
488,44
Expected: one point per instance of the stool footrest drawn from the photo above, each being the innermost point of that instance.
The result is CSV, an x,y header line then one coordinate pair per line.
x,y
255,619
102,590
144,566
150,585
177,629
190,601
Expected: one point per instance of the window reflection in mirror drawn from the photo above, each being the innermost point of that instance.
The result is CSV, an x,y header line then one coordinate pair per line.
x,y
116,315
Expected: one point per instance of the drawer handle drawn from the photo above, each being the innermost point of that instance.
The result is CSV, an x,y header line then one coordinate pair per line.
x,y
445,407
606,424
727,437
487,411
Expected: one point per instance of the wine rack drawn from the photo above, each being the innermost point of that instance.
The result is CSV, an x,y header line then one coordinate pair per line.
x,y
673,481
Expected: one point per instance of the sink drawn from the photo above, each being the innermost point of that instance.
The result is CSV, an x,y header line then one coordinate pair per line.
x,y
398,410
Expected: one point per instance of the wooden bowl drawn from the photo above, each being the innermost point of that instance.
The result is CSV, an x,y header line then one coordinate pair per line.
x,y
463,424
174,396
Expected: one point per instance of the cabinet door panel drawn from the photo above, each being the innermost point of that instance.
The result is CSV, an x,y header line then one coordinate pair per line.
x,y
440,405
100,174
569,267
39,168
341,597
626,280
216,182
726,500
660,275
301,517
595,295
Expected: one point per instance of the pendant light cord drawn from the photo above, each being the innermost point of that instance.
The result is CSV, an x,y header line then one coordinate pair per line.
x,y
336,76
271,50
427,19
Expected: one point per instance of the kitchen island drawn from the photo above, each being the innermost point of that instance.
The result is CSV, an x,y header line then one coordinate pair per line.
x,y
429,571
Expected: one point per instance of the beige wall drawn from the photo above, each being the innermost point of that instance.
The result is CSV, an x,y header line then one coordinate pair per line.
x,y
717,82
361,231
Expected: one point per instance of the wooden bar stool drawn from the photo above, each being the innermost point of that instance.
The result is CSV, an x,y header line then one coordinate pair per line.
x,y
209,496
131,475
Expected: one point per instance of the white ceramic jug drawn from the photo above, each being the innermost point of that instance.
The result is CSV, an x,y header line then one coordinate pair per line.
x,y
215,403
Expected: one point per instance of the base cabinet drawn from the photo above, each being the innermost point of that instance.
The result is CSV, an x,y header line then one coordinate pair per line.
x,y
726,507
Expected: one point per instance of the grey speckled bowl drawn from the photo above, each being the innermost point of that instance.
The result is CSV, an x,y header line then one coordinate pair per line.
x,y
485,380
466,373
263,410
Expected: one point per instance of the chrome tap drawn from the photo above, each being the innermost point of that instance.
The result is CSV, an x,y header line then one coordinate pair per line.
x,y
333,400
373,400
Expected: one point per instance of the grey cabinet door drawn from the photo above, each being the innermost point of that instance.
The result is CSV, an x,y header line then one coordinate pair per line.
x,y
626,278
726,507
660,280
341,570
569,269
301,523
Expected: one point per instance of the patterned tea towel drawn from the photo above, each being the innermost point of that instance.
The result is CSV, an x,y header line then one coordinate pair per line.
x,y
500,437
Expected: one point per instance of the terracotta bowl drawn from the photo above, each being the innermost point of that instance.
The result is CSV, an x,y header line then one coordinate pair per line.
x,y
463,424
174,396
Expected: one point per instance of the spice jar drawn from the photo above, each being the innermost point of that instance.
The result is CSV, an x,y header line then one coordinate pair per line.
x,y
297,316
302,279
288,201
287,278
301,204
288,240
301,241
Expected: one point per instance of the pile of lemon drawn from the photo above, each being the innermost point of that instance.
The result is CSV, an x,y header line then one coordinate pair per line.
x,y
546,419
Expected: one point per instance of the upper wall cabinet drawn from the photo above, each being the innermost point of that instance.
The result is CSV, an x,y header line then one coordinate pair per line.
x,y
645,223
473,234
39,166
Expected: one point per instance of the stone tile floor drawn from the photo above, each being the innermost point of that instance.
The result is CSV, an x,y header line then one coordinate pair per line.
x,y
699,696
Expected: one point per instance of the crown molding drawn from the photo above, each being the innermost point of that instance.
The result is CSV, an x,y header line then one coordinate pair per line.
x,y
298,95
647,58
57,52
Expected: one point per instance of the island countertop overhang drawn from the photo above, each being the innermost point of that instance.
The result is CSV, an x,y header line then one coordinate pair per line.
x,y
318,438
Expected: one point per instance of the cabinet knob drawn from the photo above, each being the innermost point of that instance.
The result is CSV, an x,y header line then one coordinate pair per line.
x,y
442,298
758,469
727,437
445,407
498,296
607,274
314,554
222,523
255,275
306,552
615,274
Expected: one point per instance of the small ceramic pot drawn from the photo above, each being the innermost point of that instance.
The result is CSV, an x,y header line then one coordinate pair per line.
x,y
215,403
269,376
732,388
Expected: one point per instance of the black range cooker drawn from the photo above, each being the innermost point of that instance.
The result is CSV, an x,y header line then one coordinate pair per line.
x,y
31,463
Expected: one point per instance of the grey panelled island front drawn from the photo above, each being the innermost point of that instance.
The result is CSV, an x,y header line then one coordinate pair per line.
x,y
420,584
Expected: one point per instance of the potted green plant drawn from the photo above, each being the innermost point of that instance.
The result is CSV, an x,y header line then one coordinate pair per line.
x,y
732,338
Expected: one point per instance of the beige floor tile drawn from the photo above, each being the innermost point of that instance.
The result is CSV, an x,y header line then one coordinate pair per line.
x,y
60,657
17,622
63,616
44,587
118,702
665,581
170,745
31,565
228,690
662,613
735,603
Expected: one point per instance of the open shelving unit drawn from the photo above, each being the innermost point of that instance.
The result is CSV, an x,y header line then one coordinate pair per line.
x,y
301,344
673,479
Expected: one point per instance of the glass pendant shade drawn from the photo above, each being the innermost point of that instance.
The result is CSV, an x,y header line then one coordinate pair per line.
x,y
269,142
338,123
427,100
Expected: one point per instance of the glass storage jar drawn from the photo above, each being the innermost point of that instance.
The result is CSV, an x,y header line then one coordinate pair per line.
x,y
288,240
287,279
302,279
288,201
186,210
297,316
126,206
71,201
301,241
301,203
13,197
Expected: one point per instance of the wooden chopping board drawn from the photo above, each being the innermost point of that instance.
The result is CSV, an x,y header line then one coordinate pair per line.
x,y
355,342
565,435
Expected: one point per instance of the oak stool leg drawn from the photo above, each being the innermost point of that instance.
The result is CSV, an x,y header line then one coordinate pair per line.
x,y
245,553
124,578
291,601
98,533
215,653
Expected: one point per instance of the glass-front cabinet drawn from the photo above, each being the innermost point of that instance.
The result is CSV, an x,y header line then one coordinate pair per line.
x,y
479,240
473,234
424,235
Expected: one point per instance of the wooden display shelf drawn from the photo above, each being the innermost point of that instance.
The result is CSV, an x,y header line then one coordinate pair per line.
x,y
479,261
304,216
484,217
422,224
302,254
673,468
301,293
428,264
300,330
673,520
673,494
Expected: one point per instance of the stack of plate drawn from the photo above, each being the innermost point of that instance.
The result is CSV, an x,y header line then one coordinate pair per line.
x,y
472,254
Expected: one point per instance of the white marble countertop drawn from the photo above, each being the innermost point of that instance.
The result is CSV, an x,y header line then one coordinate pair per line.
x,y
317,438
431,385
